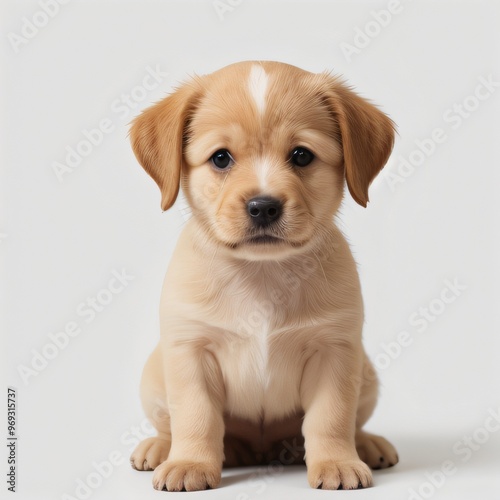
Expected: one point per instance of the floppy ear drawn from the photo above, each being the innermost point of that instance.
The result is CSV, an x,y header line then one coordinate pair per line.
x,y
157,137
367,137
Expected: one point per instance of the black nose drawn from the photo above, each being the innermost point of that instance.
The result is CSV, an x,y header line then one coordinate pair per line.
x,y
264,210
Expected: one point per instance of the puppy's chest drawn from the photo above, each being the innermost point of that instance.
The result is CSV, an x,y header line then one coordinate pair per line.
x,y
253,375
259,346
258,361
255,301
249,334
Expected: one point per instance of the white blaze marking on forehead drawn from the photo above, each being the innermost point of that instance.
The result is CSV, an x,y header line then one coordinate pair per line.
x,y
262,170
257,85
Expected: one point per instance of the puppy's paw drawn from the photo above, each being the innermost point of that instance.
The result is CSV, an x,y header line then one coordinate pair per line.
x,y
150,453
186,476
375,451
339,475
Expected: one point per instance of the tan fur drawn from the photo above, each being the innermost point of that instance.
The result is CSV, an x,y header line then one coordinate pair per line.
x,y
260,354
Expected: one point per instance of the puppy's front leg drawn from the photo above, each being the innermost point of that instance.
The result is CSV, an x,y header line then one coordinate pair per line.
x,y
195,400
329,391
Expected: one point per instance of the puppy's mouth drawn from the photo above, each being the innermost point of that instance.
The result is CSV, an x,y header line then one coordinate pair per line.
x,y
268,240
258,240
263,239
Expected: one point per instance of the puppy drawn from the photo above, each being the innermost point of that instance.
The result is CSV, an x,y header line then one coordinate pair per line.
x,y
260,357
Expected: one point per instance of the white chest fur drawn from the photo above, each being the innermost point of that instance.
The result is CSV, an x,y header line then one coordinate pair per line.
x,y
245,364
258,382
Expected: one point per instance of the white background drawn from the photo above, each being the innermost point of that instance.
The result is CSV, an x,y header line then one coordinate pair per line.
x,y
60,241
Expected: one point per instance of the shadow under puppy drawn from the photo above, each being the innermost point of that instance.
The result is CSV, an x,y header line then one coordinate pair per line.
x,y
261,312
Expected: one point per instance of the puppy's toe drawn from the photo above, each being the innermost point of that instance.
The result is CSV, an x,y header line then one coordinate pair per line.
x,y
186,476
339,475
375,451
150,453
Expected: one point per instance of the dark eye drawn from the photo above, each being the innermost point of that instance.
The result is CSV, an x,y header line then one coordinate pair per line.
x,y
222,159
301,157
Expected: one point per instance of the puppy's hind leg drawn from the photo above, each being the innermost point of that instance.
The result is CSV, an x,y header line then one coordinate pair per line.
x,y
152,451
374,450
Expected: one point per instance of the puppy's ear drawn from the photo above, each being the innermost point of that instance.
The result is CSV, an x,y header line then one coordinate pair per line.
x,y
367,137
157,137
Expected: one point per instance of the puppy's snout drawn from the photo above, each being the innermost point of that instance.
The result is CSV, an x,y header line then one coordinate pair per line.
x,y
264,210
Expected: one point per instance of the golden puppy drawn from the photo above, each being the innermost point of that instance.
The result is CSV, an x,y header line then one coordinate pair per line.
x,y
260,353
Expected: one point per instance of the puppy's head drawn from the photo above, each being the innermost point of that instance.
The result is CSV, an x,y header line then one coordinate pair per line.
x,y
261,150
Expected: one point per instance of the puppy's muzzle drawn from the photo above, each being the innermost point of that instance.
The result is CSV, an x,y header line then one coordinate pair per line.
x,y
264,210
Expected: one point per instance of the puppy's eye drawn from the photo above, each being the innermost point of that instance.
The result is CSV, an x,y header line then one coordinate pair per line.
x,y
222,159
301,157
